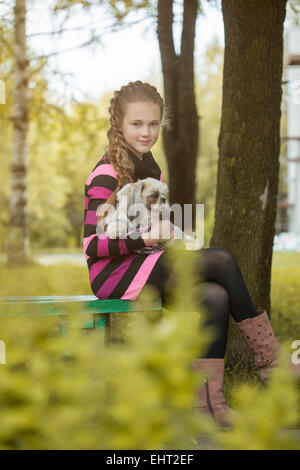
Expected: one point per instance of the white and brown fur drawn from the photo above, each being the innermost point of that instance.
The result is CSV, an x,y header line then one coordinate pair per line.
x,y
150,195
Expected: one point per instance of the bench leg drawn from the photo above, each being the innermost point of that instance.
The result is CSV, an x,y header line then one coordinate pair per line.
x,y
105,318
107,329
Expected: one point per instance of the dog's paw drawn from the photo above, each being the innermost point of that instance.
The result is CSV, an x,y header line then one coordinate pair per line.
x,y
122,230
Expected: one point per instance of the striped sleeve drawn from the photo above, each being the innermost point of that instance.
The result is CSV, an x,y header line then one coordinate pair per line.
x,y
99,186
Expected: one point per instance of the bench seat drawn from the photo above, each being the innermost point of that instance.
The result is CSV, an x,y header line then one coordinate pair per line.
x,y
98,311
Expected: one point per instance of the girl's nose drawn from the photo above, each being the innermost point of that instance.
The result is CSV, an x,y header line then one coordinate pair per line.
x,y
145,131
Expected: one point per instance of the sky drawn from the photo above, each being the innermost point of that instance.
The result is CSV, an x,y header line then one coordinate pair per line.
x,y
131,54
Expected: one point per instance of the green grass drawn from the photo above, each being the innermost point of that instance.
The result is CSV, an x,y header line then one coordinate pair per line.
x,y
285,295
60,279
57,250
285,312
67,279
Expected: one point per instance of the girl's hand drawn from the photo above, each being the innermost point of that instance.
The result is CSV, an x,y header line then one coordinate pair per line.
x,y
159,232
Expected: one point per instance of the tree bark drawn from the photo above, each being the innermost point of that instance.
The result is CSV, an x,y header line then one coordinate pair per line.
x,y
18,240
249,145
181,141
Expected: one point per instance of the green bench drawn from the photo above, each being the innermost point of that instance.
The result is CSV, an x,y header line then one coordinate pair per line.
x,y
98,312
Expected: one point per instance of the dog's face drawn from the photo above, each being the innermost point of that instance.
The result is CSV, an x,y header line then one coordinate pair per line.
x,y
145,198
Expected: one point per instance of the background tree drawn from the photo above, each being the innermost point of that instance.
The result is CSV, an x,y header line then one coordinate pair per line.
x,y
25,66
18,240
181,141
249,143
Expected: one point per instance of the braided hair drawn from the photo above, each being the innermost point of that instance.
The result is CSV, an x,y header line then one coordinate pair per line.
x,y
117,150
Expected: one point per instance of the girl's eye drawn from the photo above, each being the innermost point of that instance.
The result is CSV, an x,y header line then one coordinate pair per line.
x,y
155,124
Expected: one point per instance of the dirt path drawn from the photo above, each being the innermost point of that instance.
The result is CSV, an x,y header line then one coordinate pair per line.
x,y
47,259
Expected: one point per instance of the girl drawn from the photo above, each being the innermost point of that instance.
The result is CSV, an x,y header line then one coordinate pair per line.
x,y
116,271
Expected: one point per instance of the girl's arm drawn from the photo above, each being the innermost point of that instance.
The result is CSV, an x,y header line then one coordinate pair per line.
x,y
99,246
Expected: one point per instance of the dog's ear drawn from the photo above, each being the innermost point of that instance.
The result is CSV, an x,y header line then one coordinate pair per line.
x,y
130,191
164,188
139,188
106,207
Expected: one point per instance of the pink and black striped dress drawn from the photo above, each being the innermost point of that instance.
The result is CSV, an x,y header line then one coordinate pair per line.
x,y
115,270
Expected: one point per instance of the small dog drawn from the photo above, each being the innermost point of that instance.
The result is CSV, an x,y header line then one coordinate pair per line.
x,y
137,207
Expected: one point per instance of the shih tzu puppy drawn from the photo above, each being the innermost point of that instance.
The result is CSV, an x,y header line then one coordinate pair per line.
x,y
137,207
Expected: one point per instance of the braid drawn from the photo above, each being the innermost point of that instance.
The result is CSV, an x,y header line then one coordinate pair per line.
x,y
117,148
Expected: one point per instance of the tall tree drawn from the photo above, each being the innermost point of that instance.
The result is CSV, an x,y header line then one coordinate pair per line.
x,y
18,241
17,245
249,145
181,140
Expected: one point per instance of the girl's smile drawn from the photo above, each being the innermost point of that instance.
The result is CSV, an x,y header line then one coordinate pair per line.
x,y
141,126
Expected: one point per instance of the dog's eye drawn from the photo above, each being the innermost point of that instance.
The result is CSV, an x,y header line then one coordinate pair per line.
x,y
154,196
163,199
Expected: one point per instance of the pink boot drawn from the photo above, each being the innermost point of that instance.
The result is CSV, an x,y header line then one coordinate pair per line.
x,y
259,335
209,397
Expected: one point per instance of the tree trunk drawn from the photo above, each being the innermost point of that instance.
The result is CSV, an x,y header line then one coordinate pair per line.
x,y
18,241
181,141
249,145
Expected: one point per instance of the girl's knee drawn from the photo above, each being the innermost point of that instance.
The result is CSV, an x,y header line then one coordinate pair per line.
x,y
215,296
226,258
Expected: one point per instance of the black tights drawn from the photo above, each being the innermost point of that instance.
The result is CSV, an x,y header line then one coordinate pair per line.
x,y
223,291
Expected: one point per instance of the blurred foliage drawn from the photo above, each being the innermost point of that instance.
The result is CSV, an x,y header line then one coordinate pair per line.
x,y
60,279
266,416
56,394
285,300
66,140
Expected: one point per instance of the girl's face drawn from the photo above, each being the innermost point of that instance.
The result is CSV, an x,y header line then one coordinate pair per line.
x,y
141,125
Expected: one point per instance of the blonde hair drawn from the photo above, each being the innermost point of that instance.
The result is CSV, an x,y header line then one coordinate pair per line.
x,y
117,150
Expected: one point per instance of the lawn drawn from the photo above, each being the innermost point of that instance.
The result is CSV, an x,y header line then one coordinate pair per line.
x,y
68,279
285,295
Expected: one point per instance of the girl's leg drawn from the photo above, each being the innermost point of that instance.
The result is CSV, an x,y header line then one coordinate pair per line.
x,y
216,265
208,398
213,296
219,265
216,302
